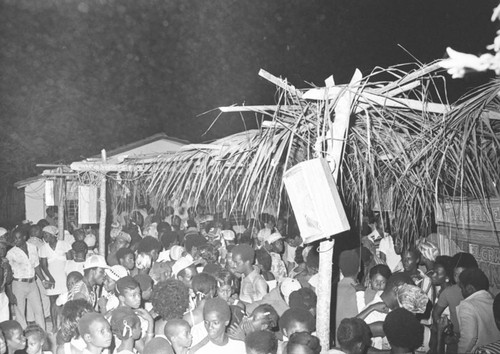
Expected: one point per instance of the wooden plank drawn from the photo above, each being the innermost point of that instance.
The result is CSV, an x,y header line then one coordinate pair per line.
x,y
279,82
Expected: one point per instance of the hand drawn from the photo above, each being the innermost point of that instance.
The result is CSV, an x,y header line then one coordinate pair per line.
x,y
380,307
12,299
47,284
358,287
236,332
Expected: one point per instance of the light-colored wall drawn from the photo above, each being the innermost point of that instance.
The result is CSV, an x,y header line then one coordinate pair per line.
x,y
34,196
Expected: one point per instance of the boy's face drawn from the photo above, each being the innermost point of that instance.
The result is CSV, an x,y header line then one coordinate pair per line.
x,y
17,341
99,334
109,284
224,292
215,325
128,261
132,298
378,282
35,344
184,338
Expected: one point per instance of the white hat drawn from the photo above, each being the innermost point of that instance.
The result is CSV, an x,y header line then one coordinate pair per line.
x,y
182,263
273,237
176,252
228,235
116,272
95,261
288,286
51,230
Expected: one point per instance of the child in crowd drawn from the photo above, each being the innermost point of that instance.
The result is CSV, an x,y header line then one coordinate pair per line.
x,y
178,333
96,332
126,326
126,258
261,342
378,275
14,337
36,338
79,250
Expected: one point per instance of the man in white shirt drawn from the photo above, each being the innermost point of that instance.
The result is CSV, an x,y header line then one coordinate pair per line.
x,y
23,258
475,314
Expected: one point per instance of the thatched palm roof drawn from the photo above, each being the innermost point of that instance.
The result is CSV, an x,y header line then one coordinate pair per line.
x,y
404,152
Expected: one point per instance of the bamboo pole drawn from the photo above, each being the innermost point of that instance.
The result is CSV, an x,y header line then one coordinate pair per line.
x,y
338,130
102,204
60,207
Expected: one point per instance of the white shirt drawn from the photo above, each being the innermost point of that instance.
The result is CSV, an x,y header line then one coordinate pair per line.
x,y
232,347
392,258
22,266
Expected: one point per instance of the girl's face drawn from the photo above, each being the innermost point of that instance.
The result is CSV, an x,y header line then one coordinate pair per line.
x,y
224,292
439,276
109,284
35,344
378,282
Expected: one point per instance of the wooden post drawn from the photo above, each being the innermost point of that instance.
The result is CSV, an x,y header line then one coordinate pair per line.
x,y
102,205
338,130
60,207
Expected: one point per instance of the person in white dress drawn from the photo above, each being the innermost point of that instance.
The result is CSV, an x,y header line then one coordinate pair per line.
x,y
53,255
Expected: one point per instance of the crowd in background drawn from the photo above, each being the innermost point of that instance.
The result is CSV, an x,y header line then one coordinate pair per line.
x,y
192,282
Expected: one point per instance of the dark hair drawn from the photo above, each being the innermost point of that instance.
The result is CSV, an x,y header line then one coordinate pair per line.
x,y
415,252
272,317
312,258
170,299
264,259
446,262
246,252
149,244
7,327
122,252
403,330
126,283
37,330
144,280
297,315
203,283
167,238
118,318
476,278
464,260
75,275
191,223
87,320
217,305
209,253
42,223
304,339
72,311
398,279
353,331
262,342
79,247
496,308
381,269
304,298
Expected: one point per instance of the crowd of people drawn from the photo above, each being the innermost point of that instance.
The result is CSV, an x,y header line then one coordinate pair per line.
x,y
203,284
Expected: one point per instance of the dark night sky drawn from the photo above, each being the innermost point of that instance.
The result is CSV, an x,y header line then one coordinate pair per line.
x,y
77,76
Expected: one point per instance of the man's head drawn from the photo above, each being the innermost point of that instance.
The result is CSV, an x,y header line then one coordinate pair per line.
x,y
178,333
472,280
217,315
72,279
80,250
243,258
35,231
411,259
349,262
13,333
94,269
261,342
150,245
51,211
354,336
462,261
79,234
265,317
19,237
95,330
403,330
126,258
146,284
296,320
129,292
204,285
304,298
